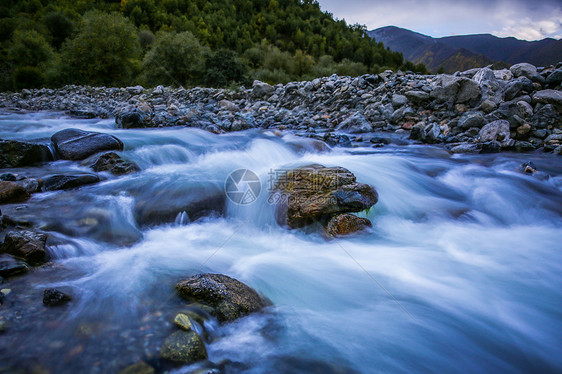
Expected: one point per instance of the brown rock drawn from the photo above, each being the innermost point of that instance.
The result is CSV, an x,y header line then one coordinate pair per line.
x,y
27,245
345,224
11,192
314,193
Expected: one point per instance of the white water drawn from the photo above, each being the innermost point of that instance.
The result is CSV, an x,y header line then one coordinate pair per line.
x,y
462,271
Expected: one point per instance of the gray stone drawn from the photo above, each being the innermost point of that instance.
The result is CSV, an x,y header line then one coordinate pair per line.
x,y
261,89
74,144
523,69
65,182
466,148
399,100
495,131
417,97
115,164
471,119
136,90
554,78
356,123
553,97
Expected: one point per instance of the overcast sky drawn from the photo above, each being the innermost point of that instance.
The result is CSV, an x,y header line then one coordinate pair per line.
x,y
523,19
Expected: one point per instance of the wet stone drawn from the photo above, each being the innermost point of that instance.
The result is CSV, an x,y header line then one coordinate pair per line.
x,y
54,297
183,346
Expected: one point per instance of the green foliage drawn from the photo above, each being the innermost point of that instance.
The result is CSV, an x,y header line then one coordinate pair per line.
x,y
29,48
217,43
224,68
175,59
28,77
105,51
60,27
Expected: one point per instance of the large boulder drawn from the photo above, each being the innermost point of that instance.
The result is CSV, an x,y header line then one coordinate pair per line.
x,y
114,164
183,346
28,245
12,192
75,144
161,203
66,182
230,298
15,154
314,193
524,70
456,90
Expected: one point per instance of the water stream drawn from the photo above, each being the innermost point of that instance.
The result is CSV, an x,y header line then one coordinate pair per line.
x,y
461,273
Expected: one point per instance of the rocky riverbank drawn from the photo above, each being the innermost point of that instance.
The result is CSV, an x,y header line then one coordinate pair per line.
x,y
479,110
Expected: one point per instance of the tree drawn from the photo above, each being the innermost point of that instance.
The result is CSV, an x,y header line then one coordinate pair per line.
x,y
224,68
104,52
174,59
59,26
29,48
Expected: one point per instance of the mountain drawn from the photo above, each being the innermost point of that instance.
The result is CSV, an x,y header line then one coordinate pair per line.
x,y
463,52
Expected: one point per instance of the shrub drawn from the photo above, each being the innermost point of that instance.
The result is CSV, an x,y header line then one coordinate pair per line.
x,y
224,68
29,48
104,52
28,77
60,27
174,59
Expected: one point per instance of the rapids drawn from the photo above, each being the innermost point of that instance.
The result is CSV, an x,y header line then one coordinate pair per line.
x,y
461,273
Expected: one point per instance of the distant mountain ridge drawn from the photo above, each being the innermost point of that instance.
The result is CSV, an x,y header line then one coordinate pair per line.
x,y
463,52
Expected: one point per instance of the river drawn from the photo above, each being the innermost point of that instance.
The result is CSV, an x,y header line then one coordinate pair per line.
x,y
461,273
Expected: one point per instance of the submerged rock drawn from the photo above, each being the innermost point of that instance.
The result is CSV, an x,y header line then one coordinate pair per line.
x,y
230,298
12,192
140,367
314,193
9,266
345,224
183,346
54,297
28,245
15,154
65,182
74,144
115,164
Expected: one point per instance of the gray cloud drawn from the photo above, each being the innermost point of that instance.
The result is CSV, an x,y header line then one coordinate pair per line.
x,y
530,20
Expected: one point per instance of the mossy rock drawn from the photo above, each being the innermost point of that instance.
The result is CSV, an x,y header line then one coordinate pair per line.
x,y
140,367
230,298
183,346
346,224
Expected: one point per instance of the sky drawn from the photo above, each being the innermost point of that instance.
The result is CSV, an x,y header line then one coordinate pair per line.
x,y
523,19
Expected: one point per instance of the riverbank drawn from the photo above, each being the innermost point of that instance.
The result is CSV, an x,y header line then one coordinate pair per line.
x,y
476,111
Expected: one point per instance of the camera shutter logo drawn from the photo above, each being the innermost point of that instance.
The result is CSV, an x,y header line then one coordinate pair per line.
x,y
242,186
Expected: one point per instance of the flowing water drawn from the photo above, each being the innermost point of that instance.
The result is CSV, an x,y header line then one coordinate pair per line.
x,y
462,271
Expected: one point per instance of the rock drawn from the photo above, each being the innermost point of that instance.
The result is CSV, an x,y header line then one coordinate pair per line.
x,y
553,97
12,192
15,154
54,297
469,91
484,75
136,90
31,185
523,69
497,130
261,89
133,117
345,224
115,164
228,106
355,124
9,266
399,100
156,207
523,129
183,346
8,177
466,148
554,78
74,144
230,298
528,168
553,140
456,90
183,321
65,182
471,119
140,367
488,106
490,147
314,193
417,97
521,146
27,245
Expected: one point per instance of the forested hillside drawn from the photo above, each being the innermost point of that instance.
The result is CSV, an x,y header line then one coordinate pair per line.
x,y
180,42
